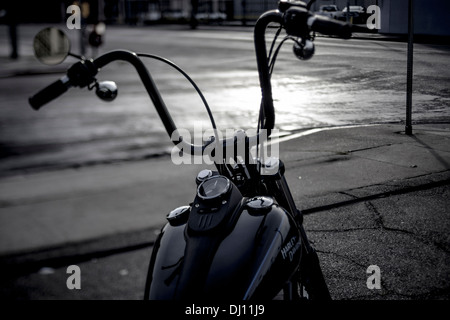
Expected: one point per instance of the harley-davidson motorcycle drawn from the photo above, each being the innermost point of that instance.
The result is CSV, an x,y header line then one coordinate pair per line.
x,y
242,236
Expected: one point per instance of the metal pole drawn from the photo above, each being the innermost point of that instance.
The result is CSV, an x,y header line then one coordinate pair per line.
x,y
409,75
244,12
121,12
101,11
348,12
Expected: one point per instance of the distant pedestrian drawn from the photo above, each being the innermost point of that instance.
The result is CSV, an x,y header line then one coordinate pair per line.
x,y
12,20
194,11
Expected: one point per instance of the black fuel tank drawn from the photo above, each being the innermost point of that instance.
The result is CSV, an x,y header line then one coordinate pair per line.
x,y
233,249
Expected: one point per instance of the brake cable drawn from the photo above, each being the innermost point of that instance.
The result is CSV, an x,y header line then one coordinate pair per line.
x,y
192,82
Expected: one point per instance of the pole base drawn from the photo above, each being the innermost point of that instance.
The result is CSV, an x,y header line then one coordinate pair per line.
x,y
408,130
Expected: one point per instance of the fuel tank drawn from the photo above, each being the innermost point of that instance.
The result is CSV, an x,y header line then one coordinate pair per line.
x,y
224,246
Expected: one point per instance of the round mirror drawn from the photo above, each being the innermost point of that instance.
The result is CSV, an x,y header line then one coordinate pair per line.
x,y
51,46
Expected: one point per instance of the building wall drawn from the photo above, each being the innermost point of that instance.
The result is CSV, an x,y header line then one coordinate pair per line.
x,y
341,4
431,17
252,9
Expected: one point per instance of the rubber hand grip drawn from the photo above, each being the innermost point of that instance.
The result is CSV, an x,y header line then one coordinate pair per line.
x,y
47,94
331,27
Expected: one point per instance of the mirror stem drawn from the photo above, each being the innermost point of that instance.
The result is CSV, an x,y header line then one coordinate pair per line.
x,y
75,55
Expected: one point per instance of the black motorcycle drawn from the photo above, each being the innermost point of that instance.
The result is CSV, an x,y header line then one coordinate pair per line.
x,y
241,238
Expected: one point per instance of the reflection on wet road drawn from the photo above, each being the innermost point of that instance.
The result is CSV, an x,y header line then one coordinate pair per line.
x,y
346,82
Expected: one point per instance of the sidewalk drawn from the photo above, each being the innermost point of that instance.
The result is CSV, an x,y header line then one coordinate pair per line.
x,y
371,196
324,169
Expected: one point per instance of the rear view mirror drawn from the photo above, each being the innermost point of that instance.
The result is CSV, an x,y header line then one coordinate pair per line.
x,y
51,46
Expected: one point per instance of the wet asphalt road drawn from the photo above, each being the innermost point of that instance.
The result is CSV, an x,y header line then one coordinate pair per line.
x,y
347,82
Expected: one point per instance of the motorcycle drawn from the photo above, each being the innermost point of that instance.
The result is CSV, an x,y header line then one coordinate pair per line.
x,y
242,236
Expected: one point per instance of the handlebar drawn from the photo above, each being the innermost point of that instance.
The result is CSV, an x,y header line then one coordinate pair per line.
x,y
331,27
293,16
298,21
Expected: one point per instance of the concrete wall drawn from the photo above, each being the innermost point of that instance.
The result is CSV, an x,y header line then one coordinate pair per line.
x,y
431,17
341,4
253,8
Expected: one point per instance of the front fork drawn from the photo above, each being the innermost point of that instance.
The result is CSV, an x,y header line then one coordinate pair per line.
x,y
308,282
309,275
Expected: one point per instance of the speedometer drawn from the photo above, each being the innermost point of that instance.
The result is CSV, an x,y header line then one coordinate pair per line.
x,y
213,188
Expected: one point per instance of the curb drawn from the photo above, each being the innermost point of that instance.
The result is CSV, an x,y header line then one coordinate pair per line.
x,y
377,191
18,264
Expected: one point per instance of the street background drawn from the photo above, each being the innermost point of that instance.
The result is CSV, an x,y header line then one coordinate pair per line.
x,y
347,82
83,181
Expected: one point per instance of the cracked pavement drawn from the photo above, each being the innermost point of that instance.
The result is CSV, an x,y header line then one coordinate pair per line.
x,y
370,195
396,216
408,241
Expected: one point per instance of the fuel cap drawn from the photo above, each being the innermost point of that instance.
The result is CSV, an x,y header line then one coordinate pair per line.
x,y
259,203
178,216
203,175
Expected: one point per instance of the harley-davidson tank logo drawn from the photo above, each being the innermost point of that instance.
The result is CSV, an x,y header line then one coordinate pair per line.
x,y
289,250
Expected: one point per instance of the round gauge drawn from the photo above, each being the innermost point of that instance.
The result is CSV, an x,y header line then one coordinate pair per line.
x,y
213,187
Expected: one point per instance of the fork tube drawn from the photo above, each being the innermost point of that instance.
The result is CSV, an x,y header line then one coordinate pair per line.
x,y
263,66
288,199
285,199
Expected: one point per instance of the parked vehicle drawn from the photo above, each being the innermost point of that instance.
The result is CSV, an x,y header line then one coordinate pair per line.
x,y
356,15
242,236
211,17
330,11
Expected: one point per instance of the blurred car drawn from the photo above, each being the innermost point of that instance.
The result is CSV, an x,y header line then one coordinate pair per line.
x,y
150,17
174,15
211,17
356,14
330,11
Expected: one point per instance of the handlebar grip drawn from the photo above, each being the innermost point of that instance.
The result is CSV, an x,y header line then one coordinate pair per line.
x,y
331,27
49,93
